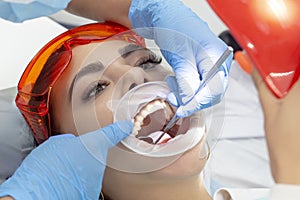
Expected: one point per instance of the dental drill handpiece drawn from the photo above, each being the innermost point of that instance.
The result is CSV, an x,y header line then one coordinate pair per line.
x,y
212,72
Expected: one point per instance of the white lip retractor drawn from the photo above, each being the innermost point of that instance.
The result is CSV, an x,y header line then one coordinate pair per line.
x,y
147,107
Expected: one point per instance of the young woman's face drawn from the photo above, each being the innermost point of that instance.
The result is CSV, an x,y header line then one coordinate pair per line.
x,y
85,96
100,74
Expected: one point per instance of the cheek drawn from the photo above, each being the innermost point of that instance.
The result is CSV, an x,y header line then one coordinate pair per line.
x,y
92,117
62,122
104,115
93,114
103,107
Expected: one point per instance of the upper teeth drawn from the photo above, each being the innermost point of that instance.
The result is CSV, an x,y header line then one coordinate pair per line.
x,y
146,110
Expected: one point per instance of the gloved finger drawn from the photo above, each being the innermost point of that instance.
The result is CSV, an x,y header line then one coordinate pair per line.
x,y
173,97
207,63
106,137
188,80
208,96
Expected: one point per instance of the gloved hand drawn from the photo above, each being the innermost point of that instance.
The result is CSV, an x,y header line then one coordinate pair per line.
x,y
65,166
21,10
189,46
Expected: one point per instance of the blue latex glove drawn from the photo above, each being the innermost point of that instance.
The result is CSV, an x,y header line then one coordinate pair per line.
x,y
65,166
189,46
21,10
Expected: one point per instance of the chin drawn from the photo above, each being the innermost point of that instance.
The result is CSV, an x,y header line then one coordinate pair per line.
x,y
189,164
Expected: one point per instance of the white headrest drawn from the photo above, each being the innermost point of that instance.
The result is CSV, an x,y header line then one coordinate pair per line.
x,y
16,140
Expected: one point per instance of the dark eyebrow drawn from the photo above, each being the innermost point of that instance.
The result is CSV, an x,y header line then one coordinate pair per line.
x,y
129,49
88,69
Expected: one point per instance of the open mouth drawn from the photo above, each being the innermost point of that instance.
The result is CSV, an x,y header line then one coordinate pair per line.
x,y
151,112
151,120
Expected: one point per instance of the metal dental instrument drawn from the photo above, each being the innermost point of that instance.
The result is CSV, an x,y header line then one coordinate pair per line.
x,y
212,72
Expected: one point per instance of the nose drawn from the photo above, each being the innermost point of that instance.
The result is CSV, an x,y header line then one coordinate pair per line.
x,y
130,80
133,85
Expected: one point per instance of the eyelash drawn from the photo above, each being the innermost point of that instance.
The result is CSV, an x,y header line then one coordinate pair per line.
x,y
94,89
149,61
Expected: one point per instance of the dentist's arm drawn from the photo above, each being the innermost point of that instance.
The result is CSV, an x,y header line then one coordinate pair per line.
x,y
282,129
108,10
65,166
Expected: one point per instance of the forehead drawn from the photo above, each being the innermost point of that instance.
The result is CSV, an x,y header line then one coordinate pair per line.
x,y
106,52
